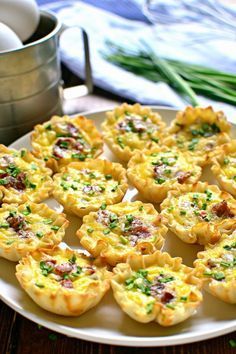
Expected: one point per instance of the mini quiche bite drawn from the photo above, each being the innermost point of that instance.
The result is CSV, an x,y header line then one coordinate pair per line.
x,y
131,127
198,131
82,187
28,227
63,140
217,267
23,177
224,167
63,281
199,213
118,231
154,172
156,288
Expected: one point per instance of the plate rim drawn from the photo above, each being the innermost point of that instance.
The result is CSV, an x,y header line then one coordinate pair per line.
x,y
123,340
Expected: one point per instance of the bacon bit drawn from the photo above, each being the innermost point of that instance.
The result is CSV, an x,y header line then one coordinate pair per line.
x,y
104,217
157,288
131,123
67,283
159,171
166,297
222,210
137,231
63,268
16,222
25,234
209,146
89,270
211,263
91,189
20,181
51,263
72,130
182,176
6,160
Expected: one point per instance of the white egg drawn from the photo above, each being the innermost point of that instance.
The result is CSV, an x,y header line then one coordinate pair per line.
x,y
8,39
22,16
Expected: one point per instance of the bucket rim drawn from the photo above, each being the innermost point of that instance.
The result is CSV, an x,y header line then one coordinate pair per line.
x,y
58,27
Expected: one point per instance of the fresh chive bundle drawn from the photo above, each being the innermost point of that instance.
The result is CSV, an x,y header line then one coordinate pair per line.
x,y
187,79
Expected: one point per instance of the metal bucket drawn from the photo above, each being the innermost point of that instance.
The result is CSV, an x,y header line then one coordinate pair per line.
x,y
30,80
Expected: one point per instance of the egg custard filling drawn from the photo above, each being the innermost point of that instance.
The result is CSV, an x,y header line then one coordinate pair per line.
x,y
86,186
217,267
63,140
199,213
118,231
224,167
198,131
129,128
23,177
162,290
154,172
27,227
63,281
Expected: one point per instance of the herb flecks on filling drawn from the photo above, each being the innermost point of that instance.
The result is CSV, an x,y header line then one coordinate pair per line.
x,y
67,272
132,229
70,140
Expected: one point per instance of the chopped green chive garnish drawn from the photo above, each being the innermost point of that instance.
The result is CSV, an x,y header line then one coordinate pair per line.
x,y
39,234
184,298
73,259
4,225
108,177
48,127
22,153
39,285
106,231
55,227
141,208
90,230
27,211
123,240
183,212
120,142
103,206
149,307
47,221
160,180
80,157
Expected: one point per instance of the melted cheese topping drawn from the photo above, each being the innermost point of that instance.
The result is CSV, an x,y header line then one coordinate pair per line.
x,y
164,166
52,271
13,164
192,208
159,285
87,186
228,167
123,226
20,225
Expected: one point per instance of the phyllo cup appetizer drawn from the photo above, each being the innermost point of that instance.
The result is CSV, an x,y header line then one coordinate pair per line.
x,y
156,288
198,131
23,177
224,167
63,281
120,230
28,227
131,127
63,140
199,213
217,267
82,187
154,172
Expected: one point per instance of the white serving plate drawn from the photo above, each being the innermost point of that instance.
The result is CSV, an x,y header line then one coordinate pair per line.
x,y
106,323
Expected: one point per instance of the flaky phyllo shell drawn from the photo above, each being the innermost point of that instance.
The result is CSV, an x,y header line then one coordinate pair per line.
x,y
23,177
63,281
121,230
62,140
217,267
28,227
156,288
198,131
199,213
156,171
224,167
131,127
82,187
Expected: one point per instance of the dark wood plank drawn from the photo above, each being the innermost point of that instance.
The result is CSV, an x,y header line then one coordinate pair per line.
x,y
6,323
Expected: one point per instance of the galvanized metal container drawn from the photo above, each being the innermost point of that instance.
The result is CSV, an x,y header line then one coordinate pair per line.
x,y
30,80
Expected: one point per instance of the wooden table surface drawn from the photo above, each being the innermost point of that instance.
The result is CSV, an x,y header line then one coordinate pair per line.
x,y
21,336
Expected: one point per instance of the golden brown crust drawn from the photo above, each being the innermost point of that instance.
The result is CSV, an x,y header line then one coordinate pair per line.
x,y
224,167
139,128
199,213
198,131
82,187
217,267
154,172
23,177
156,288
105,235
28,227
80,289
74,139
